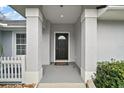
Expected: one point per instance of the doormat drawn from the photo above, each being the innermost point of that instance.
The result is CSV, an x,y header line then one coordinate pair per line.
x,y
61,63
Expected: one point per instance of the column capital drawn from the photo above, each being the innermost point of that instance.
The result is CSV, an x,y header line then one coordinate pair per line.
x,y
89,13
34,12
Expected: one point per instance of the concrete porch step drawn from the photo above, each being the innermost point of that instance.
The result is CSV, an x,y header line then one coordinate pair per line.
x,y
61,85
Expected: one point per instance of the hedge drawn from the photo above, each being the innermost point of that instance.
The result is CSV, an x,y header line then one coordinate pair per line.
x,y
110,74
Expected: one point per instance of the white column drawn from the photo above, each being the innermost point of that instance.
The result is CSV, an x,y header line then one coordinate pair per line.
x,y
88,43
34,21
0,44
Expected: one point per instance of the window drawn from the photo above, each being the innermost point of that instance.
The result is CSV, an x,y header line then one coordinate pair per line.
x,y
61,37
20,44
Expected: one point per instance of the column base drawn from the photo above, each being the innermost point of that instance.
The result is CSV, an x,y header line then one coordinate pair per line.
x,y
86,75
89,75
33,77
82,74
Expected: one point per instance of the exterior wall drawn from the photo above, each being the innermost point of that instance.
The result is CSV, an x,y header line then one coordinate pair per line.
x,y
46,45
110,40
0,37
7,42
78,43
63,28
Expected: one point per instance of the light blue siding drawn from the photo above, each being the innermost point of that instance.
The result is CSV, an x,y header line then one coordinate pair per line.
x,y
110,40
7,42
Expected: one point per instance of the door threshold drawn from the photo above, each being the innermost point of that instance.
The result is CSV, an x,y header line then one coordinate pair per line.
x,y
61,60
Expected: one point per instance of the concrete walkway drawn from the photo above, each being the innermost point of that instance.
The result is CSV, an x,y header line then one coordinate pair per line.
x,y
61,85
61,74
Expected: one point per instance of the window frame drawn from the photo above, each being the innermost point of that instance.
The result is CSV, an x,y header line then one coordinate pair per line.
x,y
15,45
20,44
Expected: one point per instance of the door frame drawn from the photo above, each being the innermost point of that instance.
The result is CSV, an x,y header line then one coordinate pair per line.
x,y
68,46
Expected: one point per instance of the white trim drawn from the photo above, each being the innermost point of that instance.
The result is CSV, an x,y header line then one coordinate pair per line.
x,y
14,41
3,25
115,7
34,12
89,13
68,46
14,26
102,11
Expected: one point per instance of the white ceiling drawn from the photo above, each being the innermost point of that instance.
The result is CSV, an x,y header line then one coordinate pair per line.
x,y
71,13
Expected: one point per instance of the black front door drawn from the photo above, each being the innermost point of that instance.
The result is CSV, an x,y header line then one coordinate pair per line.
x,y
61,46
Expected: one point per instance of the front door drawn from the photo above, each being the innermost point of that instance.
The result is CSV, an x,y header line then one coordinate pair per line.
x,y
61,46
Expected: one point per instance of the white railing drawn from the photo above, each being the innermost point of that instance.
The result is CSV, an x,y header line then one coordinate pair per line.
x,y
12,69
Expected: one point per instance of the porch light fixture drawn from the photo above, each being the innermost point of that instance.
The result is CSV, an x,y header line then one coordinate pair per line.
x,y
61,38
61,6
61,15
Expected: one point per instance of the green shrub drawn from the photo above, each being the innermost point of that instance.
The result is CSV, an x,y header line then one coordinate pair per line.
x,y
110,74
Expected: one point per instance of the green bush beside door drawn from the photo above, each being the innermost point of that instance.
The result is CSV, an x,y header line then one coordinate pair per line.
x,y
110,74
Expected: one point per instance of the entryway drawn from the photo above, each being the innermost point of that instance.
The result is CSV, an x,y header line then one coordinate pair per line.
x,y
61,74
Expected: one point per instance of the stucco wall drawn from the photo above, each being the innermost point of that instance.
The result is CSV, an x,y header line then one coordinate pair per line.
x,y
63,28
7,42
110,40
78,43
46,45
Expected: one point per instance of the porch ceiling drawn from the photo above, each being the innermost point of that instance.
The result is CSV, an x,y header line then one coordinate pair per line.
x,y
57,14
21,8
111,13
62,14
54,13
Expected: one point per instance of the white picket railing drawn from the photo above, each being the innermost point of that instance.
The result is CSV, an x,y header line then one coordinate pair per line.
x,y
12,69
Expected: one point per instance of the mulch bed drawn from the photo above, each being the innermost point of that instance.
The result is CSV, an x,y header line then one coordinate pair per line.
x,y
17,85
